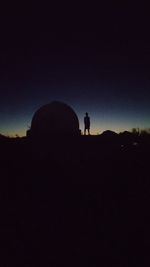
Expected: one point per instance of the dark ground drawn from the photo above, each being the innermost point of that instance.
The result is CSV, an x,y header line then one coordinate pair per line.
x,y
75,202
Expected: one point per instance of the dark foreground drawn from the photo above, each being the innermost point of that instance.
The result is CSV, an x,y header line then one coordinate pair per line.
x,y
74,202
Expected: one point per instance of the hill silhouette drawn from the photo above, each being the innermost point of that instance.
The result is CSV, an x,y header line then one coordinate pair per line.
x,y
75,201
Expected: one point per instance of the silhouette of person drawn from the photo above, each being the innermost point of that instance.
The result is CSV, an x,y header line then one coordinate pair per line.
x,y
86,124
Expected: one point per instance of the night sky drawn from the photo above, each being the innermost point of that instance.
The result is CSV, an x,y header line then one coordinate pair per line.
x,y
96,59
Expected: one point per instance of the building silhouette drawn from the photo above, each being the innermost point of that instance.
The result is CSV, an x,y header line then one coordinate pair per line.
x,y
55,118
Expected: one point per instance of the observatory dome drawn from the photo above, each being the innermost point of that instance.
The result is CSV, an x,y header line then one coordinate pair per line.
x,y
55,118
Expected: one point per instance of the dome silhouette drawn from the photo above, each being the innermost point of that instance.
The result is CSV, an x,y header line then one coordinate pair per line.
x,y
56,118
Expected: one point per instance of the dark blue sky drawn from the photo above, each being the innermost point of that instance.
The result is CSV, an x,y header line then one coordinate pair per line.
x,y
96,60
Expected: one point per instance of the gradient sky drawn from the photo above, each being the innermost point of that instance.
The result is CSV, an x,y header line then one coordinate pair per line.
x,y
96,60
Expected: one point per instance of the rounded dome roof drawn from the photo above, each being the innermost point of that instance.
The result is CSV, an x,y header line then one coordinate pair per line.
x,y
55,118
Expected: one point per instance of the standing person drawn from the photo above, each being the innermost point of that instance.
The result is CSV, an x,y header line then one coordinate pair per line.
x,y
86,124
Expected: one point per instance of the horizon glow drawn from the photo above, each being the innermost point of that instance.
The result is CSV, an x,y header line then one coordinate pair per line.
x,y
108,107
18,125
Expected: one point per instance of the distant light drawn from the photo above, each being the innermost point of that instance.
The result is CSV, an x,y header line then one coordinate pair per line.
x,y
135,144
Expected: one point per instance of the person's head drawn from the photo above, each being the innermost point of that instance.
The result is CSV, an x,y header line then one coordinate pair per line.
x,y
86,114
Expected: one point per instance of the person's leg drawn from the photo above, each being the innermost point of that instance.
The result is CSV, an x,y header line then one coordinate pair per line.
x,y
88,131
